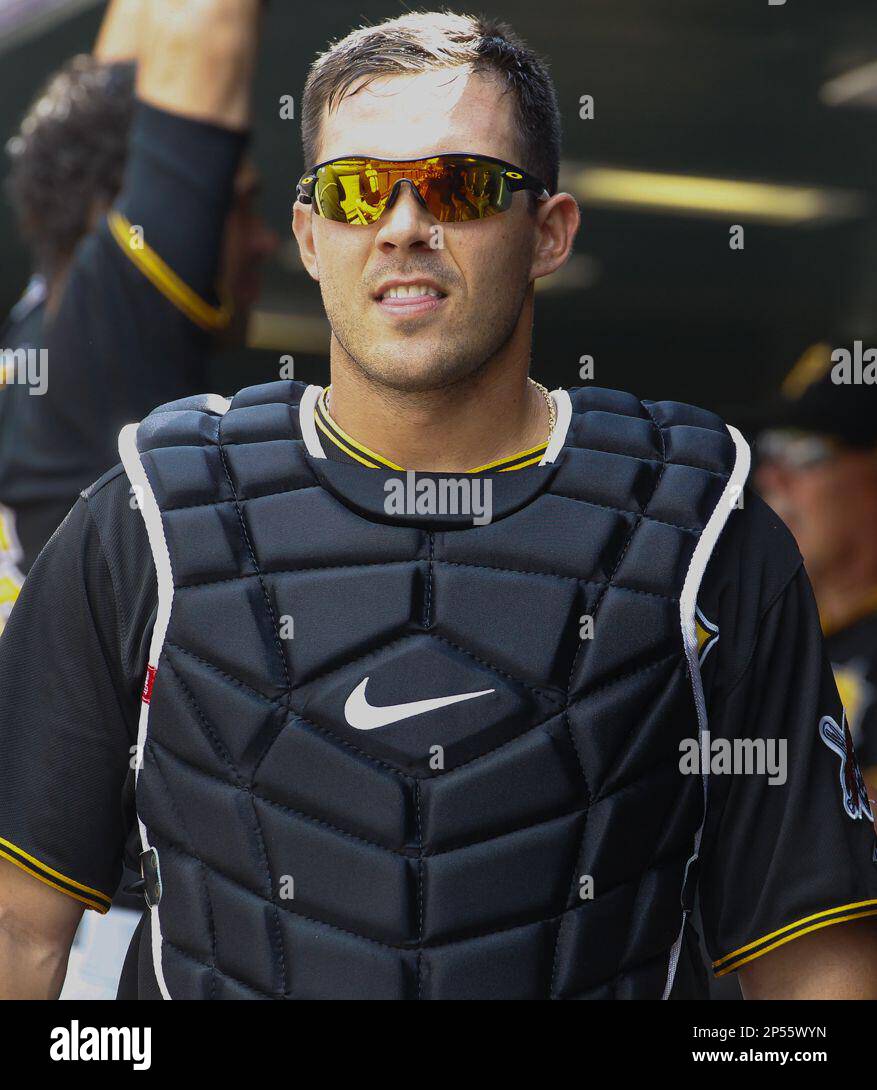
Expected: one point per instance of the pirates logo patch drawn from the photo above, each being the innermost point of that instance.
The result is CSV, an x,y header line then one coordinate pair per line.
x,y
707,634
839,739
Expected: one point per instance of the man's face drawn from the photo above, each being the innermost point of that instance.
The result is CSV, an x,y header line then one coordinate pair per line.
x,y
825,505
482,268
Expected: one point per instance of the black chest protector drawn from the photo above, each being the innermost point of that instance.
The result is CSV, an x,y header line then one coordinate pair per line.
x,y
393,755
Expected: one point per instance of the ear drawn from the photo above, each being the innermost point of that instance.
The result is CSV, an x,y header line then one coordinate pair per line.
x,y
303,229
556,227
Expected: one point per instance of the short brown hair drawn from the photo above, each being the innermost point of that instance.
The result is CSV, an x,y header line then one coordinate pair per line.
x,y
424,41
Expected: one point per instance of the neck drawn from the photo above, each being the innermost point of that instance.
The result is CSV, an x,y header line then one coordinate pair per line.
x,y
492,414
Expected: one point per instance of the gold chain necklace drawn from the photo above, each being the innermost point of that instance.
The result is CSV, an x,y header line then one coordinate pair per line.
x,y
549,401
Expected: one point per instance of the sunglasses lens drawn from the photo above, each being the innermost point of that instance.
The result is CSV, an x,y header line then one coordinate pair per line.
x,y
453,189
466,189
350,191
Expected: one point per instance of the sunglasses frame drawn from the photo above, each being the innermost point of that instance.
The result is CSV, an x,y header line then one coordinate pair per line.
x,y
516,178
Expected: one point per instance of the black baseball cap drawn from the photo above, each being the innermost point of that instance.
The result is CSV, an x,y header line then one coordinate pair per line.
x,y
831,390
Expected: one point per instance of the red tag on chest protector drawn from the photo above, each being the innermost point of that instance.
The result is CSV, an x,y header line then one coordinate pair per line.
x,y
146,696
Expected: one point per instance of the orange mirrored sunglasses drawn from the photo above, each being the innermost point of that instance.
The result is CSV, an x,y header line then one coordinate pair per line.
x,y
454,187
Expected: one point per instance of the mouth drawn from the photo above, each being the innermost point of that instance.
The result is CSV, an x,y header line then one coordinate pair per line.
x,y
409,299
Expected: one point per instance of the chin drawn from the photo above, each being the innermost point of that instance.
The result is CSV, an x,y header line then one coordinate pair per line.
x,y
417,370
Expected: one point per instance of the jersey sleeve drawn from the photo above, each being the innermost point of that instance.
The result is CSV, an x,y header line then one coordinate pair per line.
x,y
168,223
789,845
68,717
135,323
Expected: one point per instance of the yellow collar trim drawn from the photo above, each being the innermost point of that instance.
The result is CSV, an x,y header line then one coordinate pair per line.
x,y
372,460
323,412
341,445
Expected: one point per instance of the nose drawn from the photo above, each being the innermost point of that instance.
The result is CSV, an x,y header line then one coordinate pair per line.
x,y
406,224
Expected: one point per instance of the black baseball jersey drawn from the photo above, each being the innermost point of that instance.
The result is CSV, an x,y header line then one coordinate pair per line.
x,y
786,849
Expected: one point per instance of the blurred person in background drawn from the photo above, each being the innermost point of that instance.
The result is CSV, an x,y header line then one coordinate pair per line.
x,y
67,161
818,470
140,278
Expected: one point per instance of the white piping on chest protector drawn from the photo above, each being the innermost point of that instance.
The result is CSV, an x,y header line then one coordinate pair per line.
x,y
687,608
149,510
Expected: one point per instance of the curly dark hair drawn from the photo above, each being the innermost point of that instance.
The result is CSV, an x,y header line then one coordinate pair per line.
x,y
68,157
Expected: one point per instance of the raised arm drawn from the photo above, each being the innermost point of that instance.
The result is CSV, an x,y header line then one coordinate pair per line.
x,y
122,32
142,309
199,58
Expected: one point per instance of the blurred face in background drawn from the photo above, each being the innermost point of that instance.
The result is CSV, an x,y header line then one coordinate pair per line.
x,y
482,270
827,496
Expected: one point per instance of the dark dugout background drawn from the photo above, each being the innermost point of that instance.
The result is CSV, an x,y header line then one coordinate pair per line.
x,y
778,94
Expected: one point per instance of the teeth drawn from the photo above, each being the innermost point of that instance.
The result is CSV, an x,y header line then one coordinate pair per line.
x,y
409,291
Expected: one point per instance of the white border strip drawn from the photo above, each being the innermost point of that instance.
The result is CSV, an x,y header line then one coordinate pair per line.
x,y
687,608
161,558
149,509
306,409
217,404
563,404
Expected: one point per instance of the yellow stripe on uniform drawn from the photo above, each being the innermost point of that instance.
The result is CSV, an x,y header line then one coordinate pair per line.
x,y
792,931
163,277
337,431
345,442
92,897
538,450
319,422
520,465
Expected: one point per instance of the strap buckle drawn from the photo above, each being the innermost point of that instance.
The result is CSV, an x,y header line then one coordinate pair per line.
x,y
150,871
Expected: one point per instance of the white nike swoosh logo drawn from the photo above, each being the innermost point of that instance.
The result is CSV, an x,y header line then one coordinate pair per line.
x,y
364,716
